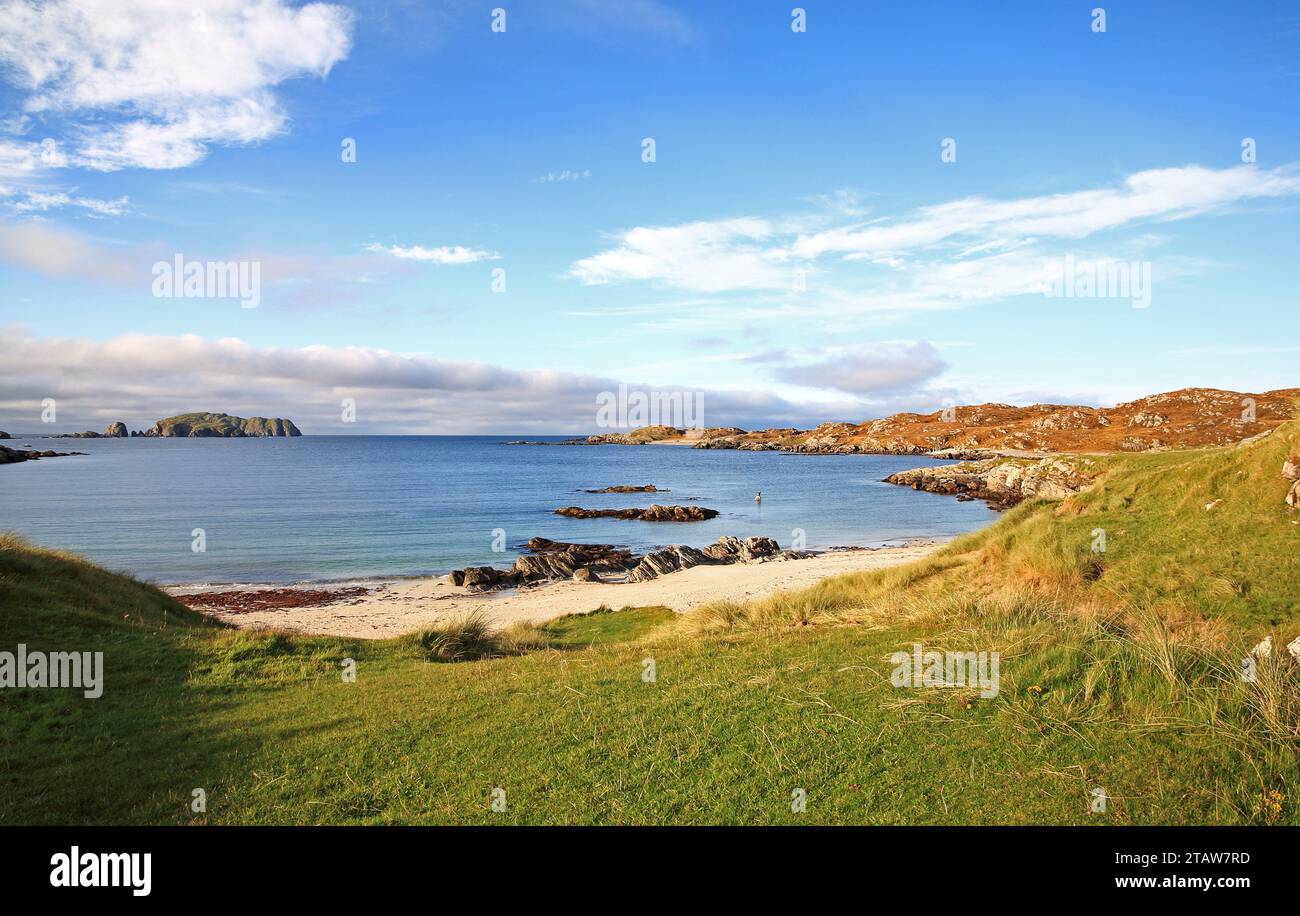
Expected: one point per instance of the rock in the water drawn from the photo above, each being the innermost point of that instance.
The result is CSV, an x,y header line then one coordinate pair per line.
x,y
654,513
14,455
4,435
199,425
625,488
117,430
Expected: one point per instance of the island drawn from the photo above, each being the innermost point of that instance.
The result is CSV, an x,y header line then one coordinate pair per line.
x,y
196,425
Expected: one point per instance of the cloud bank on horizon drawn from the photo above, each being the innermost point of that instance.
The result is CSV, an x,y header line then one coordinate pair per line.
x,y
435,276
95,383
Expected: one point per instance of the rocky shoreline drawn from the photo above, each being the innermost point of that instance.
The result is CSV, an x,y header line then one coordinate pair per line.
x,y
392,607
15,455
1003,482
1187,418
653,513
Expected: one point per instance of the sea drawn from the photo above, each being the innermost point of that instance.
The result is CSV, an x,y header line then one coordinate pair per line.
x,y
356,508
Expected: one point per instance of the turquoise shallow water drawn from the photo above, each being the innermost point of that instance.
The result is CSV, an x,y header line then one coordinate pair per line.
x,y
321,508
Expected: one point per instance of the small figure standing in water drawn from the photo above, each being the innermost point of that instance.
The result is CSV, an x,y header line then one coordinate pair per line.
x,y
758,497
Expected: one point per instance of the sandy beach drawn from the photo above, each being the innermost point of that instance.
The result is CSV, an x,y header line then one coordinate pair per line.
x,y
399,606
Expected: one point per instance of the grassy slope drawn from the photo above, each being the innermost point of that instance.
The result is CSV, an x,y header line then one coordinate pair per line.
x,y
1118,671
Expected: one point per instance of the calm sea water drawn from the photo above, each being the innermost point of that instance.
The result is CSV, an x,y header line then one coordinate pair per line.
x,y
355,507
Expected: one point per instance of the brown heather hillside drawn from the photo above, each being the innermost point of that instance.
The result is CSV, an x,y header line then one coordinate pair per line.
x,y
1188,418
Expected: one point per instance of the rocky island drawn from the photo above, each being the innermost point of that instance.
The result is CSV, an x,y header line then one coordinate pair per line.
x,y
196,425
654,513
15,455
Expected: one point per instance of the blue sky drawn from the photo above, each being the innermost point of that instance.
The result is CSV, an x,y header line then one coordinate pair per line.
x,y
215,130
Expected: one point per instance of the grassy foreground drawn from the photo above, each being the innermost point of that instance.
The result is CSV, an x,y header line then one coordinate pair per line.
x,y
1120,672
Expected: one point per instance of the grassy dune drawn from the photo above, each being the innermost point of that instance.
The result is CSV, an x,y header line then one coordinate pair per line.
x,y
1119,671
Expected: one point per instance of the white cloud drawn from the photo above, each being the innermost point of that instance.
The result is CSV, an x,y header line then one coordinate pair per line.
x,y
40,201
48,250
938,257
446,254
291,277
150,84
138,378
1153,195
867,370
564,175
703,256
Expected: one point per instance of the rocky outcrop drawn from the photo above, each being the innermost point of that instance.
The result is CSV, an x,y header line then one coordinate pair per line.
x,y
560,560
1291,471
557,560
647,488
14,455
639,436
117,430
196,425
654,513
482,578
548,560
1003,482
668,560
4,435
750,550
725,551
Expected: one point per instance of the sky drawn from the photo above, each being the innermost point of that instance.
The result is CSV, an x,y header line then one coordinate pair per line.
x,y
476,217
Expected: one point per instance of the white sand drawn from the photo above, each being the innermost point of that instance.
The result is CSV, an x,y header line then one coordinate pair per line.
x,y
401,606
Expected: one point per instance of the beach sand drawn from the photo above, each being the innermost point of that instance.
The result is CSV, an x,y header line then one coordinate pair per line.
x,y
400,606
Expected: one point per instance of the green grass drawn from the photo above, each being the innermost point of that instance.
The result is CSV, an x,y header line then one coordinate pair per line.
x,y
603,626
1119,670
